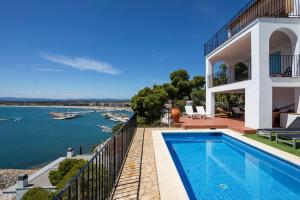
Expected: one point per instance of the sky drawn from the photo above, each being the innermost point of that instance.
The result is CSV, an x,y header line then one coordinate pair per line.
x,y
103,48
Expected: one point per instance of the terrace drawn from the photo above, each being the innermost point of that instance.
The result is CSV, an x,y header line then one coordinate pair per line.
x,y
253,10
130,162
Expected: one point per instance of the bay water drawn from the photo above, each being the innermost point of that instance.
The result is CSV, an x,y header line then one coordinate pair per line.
x,y
30,138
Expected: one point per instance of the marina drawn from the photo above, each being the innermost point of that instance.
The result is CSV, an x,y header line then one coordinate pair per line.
x,y
116,117
43,138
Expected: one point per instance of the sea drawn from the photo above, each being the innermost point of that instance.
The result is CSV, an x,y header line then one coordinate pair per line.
x,y
30,138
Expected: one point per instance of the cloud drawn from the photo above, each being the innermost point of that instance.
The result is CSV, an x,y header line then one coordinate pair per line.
x,y
82,63
49,69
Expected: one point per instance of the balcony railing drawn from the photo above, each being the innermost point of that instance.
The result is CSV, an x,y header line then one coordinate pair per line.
x,y
253,10
284,65
98,177
227,75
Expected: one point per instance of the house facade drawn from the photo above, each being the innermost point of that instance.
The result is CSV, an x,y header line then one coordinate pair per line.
x,y
259,51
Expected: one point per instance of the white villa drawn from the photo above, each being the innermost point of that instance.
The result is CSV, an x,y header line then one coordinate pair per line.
x,y
260,47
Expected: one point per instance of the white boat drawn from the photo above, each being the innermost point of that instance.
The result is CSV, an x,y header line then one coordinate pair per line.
x,y
18,119
64,116
105,129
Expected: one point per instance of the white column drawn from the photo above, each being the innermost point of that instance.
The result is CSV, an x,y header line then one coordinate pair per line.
x,y
210,103
210,97
258,97
208,72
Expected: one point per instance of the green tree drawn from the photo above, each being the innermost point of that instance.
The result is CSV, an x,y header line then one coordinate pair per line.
x,y
148,104
170,90
179,75
198,96
198,82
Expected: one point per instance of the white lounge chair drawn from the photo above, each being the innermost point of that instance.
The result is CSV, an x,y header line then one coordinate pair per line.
x,y
190,112
201,111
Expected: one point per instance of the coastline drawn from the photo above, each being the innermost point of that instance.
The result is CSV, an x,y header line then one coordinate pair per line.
x,y
77,107
8,177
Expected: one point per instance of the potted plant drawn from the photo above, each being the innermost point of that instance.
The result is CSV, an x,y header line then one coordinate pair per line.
x,y
175,113
176,110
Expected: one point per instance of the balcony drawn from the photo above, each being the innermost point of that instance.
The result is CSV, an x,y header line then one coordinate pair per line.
x,y
253,10
284,65
241,71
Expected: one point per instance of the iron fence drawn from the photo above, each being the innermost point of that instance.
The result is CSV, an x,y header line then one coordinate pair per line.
x,y
284,65
97,179
236,73
253,10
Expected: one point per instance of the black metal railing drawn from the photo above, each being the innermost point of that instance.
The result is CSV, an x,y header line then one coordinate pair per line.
x,y
97,179
284,65
156,118
226,75
253,10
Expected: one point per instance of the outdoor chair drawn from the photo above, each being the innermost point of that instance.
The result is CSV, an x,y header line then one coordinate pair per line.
x,y
293,128
190,112
201,111
288,138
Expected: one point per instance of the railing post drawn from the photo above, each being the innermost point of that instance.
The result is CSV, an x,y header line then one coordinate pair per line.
x,y
115,159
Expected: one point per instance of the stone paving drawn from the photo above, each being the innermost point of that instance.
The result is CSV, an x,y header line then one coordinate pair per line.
x,y
128,185
149,184
139,178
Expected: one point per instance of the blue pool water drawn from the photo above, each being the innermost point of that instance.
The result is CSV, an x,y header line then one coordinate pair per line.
x,y
216,166
37,139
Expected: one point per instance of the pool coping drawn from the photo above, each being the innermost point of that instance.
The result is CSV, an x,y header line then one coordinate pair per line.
x,y
169,181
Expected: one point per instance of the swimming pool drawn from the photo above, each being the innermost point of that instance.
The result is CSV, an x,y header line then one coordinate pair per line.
x,y
217,166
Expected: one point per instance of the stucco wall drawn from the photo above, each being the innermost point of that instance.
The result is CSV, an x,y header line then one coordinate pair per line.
x,y
259,93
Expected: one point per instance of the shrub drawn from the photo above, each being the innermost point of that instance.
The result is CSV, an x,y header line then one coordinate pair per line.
x,y
117,127
70,174
36,193
56,176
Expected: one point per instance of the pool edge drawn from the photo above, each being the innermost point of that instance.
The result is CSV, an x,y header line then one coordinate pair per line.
x,y
169,181
174,189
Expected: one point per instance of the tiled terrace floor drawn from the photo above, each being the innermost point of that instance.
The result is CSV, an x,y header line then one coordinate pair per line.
x,y
139,178
234,124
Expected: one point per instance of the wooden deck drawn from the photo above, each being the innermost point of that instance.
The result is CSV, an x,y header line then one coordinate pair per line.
x,y
234,124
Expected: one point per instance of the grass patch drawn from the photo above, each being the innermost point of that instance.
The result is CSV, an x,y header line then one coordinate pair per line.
x,y
281,146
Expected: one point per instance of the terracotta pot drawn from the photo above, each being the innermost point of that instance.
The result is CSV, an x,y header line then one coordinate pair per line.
x,y
175,113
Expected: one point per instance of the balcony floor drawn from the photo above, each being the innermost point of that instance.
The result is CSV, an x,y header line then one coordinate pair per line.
x,y
234,124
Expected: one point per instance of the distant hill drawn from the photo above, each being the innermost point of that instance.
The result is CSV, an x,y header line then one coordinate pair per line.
x,y
16,99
